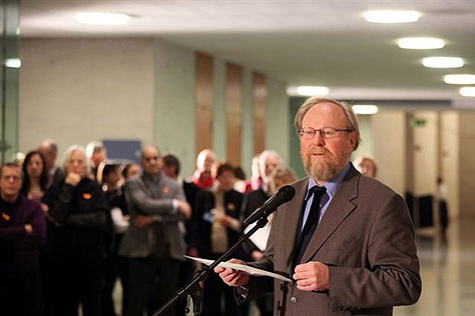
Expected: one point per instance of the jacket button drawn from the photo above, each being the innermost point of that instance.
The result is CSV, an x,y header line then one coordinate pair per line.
x,y
293,300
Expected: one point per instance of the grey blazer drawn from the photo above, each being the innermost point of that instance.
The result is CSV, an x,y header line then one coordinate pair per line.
x,y
153,195
366,237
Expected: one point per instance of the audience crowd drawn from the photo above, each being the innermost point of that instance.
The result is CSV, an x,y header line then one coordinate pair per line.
x,y
109,223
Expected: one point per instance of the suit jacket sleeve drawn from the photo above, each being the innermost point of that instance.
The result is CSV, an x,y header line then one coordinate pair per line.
x,y
391,276
139,198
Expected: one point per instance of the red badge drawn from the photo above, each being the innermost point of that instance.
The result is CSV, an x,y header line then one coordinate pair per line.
x,y
87,196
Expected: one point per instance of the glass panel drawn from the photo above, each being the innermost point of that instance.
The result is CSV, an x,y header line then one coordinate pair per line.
x,y
9,14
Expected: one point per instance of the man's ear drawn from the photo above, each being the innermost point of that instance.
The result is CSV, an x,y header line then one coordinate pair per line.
x,y
353,140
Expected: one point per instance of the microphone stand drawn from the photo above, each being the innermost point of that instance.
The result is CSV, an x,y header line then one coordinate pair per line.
x,y
193,288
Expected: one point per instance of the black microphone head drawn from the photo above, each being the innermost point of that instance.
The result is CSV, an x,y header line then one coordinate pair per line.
x,y
284,194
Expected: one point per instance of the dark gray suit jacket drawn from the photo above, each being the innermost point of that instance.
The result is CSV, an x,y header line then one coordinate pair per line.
x,y
148,195
366,237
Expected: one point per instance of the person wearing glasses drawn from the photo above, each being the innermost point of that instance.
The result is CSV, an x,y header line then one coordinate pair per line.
x,y
22,231
350,252
154,244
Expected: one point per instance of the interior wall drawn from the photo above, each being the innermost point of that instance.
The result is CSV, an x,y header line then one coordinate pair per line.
x,y
389,148
366,134
219,107
425,153
174,104
132,89
467,163
78,90
203,102
449,159
277,118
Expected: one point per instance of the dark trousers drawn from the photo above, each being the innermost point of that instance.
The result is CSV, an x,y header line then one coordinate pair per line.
x,y
76,279
20,293
443,216
152,281
214,293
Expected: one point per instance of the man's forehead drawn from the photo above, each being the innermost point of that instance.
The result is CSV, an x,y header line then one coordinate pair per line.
x,y
324,111
11,169
150,151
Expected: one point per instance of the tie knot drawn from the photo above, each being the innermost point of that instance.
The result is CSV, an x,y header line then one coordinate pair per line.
x,y
317,192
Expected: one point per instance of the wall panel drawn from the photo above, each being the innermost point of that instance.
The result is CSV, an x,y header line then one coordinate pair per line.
x,y
204,101
259,101
234,105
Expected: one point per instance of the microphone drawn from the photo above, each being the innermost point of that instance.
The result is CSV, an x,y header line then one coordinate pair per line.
x,y
283,195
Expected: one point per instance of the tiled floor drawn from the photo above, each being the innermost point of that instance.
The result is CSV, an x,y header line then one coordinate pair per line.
x,y
448,272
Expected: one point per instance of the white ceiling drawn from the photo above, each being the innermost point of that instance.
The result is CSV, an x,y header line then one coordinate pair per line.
x,y
299,42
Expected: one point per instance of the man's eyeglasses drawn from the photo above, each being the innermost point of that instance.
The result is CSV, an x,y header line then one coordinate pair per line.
x,y
148,159
326,132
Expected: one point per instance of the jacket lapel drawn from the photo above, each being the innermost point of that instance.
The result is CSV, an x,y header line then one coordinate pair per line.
x,y
340,207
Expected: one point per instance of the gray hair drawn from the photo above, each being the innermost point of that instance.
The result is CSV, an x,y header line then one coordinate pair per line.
x,y
351,119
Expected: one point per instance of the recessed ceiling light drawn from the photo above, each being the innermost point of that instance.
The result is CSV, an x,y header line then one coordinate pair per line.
x,y
13,62
365,109
391,16
467,91
442,62
420,43
459,79
310,91
102,18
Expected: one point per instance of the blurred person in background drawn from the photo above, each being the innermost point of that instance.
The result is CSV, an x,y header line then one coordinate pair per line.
x,y
154,244
366,166
203,175
22,231
216,229
76,243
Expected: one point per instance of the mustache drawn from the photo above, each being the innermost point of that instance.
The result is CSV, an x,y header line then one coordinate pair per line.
x,y
318,151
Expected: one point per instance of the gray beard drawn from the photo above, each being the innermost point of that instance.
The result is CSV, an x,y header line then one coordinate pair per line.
x,y
324,171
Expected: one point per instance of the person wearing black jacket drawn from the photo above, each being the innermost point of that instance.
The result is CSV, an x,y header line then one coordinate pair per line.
x,y
76,242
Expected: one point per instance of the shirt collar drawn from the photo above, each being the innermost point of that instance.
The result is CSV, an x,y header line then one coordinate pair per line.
x,y
332,185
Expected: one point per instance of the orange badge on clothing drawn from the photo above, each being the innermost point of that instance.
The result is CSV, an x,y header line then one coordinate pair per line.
x,y
5,216
87,196
231,207
165,190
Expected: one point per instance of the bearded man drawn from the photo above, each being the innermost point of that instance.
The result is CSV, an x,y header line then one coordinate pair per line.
x,y
350,252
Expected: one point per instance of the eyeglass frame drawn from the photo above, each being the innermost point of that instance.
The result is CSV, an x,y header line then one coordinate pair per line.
x,y
323,132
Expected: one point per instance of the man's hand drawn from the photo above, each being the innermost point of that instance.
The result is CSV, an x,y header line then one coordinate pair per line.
x,y
73,178
233,277
29,229
184,208
142,221
312,276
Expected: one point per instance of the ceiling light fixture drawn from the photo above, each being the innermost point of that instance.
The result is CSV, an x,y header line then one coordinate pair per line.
x,y
459,79
13,62
311,91
420,43
467,91
102,18
391,16
365,109
442,62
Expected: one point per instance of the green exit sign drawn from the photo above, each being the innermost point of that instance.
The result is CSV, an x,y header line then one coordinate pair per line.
x,y
418,122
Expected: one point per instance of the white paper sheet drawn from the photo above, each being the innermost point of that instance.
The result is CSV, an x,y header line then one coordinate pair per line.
x,y
242,267
259,238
